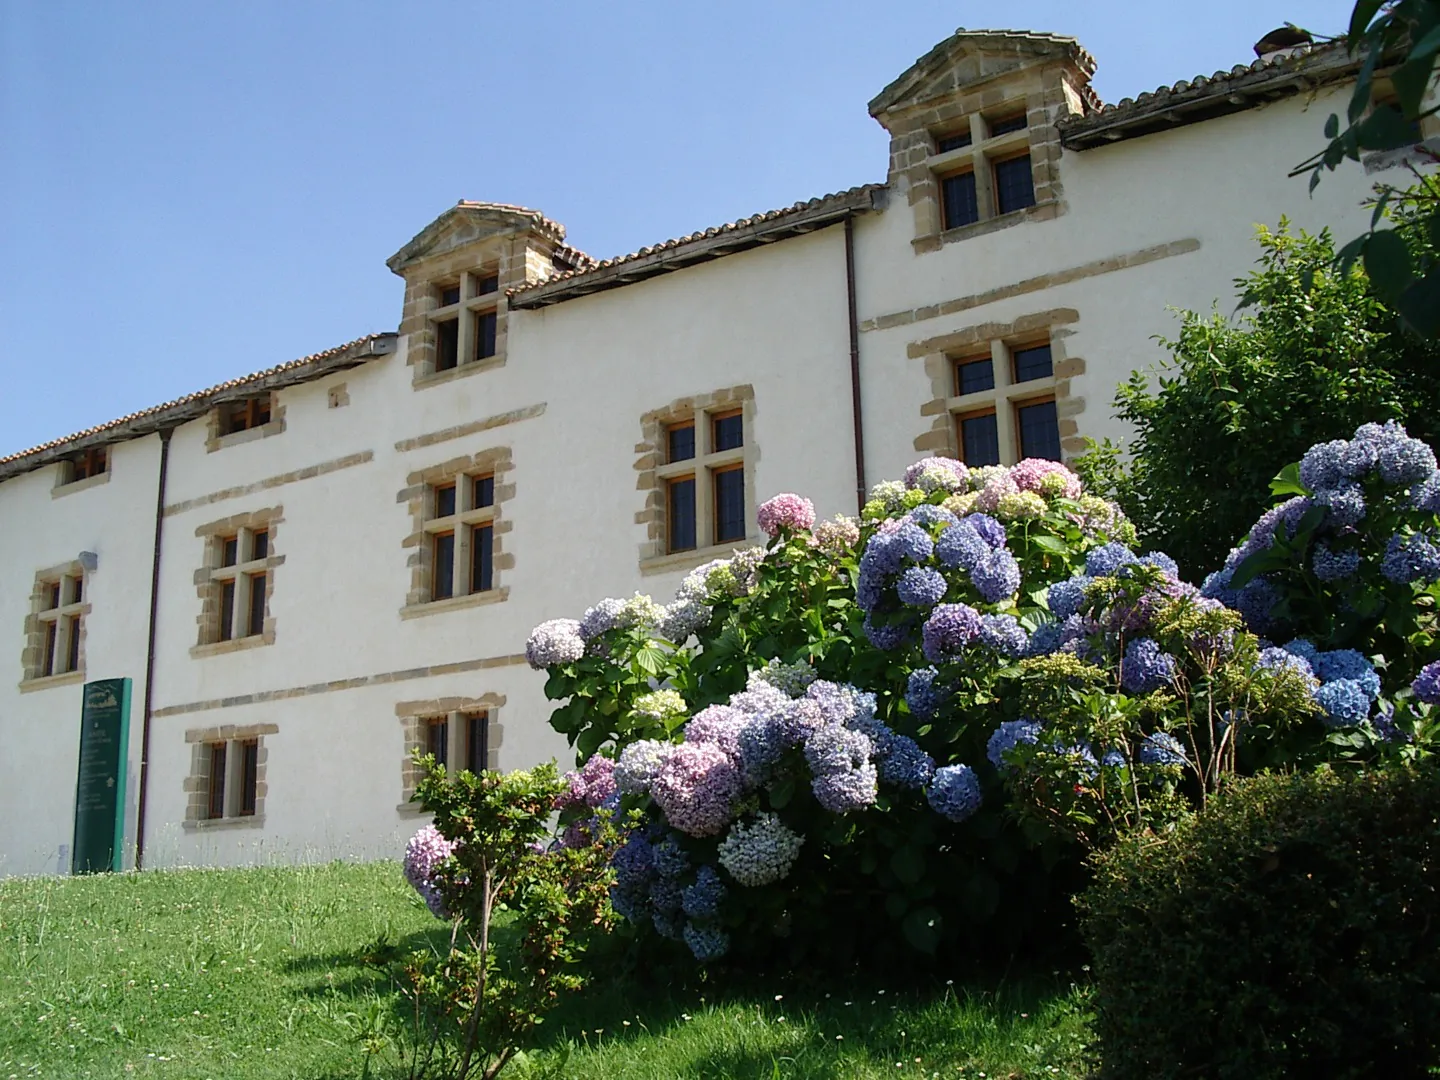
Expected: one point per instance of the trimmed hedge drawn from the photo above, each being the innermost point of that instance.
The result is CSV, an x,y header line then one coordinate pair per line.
x,y
1291,929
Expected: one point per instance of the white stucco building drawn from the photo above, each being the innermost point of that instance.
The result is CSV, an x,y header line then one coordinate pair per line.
x,y
311,570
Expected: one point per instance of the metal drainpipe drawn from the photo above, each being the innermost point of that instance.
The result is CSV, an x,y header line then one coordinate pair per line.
x,y
855,363
165,434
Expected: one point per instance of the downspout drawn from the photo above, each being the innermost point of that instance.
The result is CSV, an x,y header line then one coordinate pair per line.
x,y
165,434
855,363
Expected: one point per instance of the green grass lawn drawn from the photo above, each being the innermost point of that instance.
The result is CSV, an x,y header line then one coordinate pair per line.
x,y
278,973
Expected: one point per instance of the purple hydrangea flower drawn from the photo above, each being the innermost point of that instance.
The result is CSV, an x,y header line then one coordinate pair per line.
x,y
1323,465
1161,749
669,858
844,777
1106,559
424,853
1004,634
1331,565
762,742
1344,504
702,898
1411,558
557,641
961,547
840,703
1344,702
1065,597
785,511
695,787
1426,495
638,764
1010,734
937,474
1255,602
1402,460
990,530
719,725
602,617
997,577
950,628
1426,686
922,695
1146,667
886,636
591,786
954,792
921,586
905,764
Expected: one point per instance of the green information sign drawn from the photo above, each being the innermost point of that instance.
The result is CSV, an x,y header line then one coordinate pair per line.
x,y
100,791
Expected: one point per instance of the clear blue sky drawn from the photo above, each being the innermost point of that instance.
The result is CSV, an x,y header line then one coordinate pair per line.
x,y
195,191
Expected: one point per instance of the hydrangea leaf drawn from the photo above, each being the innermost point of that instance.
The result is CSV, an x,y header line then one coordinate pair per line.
x,y
1287,482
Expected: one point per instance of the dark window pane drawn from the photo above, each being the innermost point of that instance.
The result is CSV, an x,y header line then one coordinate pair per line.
x,y
262,411
484,491
975,375
682,514
729,432
259,544
227,611
77,589
729,505
229,551
444,570
447,344
1033,363
487,285
72,643
249,776
449,294
1007,125
1014,186
216,809
256,623
1039,431
681,442
478,740
445,501
958,195
482,568
437,740
957,141
979,440
52,596
485,325
52,635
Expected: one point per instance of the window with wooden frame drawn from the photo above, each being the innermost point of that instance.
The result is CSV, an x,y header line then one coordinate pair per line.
x,y
466,319
460,536
459,740
983,168
231,774
59,607
244,415
1003,403
239,582
704,480
85,465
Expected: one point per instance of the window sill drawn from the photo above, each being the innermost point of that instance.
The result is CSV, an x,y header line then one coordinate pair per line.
x,y
439,378
49,682
71,488
1040,211
688,560
455,603
235,438
250,821
220,648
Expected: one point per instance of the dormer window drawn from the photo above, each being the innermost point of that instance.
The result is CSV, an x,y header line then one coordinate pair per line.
x,y
244,415
467,320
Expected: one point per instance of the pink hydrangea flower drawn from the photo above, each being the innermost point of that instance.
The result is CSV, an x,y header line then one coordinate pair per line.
x,y
836,537
719,725
426,850
1029,473
695,788
590,786
987,501
785,511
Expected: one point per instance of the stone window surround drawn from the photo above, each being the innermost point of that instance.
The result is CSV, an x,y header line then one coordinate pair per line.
x,y
216,441
197,784
417,495
32,657
415,715
209,578
946,406
1042,91
507,257
66,482
654,471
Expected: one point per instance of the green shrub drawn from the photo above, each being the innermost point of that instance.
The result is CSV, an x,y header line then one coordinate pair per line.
x,y
1291,929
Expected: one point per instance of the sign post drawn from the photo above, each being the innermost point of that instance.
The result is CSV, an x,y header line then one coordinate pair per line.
x,y
100,790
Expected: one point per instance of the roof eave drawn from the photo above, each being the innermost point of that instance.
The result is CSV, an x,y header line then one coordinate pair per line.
x,y
703,249
197,405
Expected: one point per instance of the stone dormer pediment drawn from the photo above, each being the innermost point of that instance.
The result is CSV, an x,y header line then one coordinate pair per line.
x,y
470,223
970,58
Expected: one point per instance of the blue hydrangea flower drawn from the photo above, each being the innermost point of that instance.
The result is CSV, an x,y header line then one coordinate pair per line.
x,y
1341,664
1345,503
1274,659
669,859
927,514
1402,460
1411,558
837,748
1004,634
840,703
1007,736
1079,755
961,547
762,741
950,628
666,894
1161,748
990,530
922,695
1304,649
634,864
1255,602
1047,639
1105,560
905,764
954,792
1361,452
1113,759
1344,702
669,924
1332,565
1216,586
1168,566
1146,667
912,542
707,943
921,586
1065,597
1323,465
885,636
629,905
1426,495
997,577
842,792
701,899
1426,686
